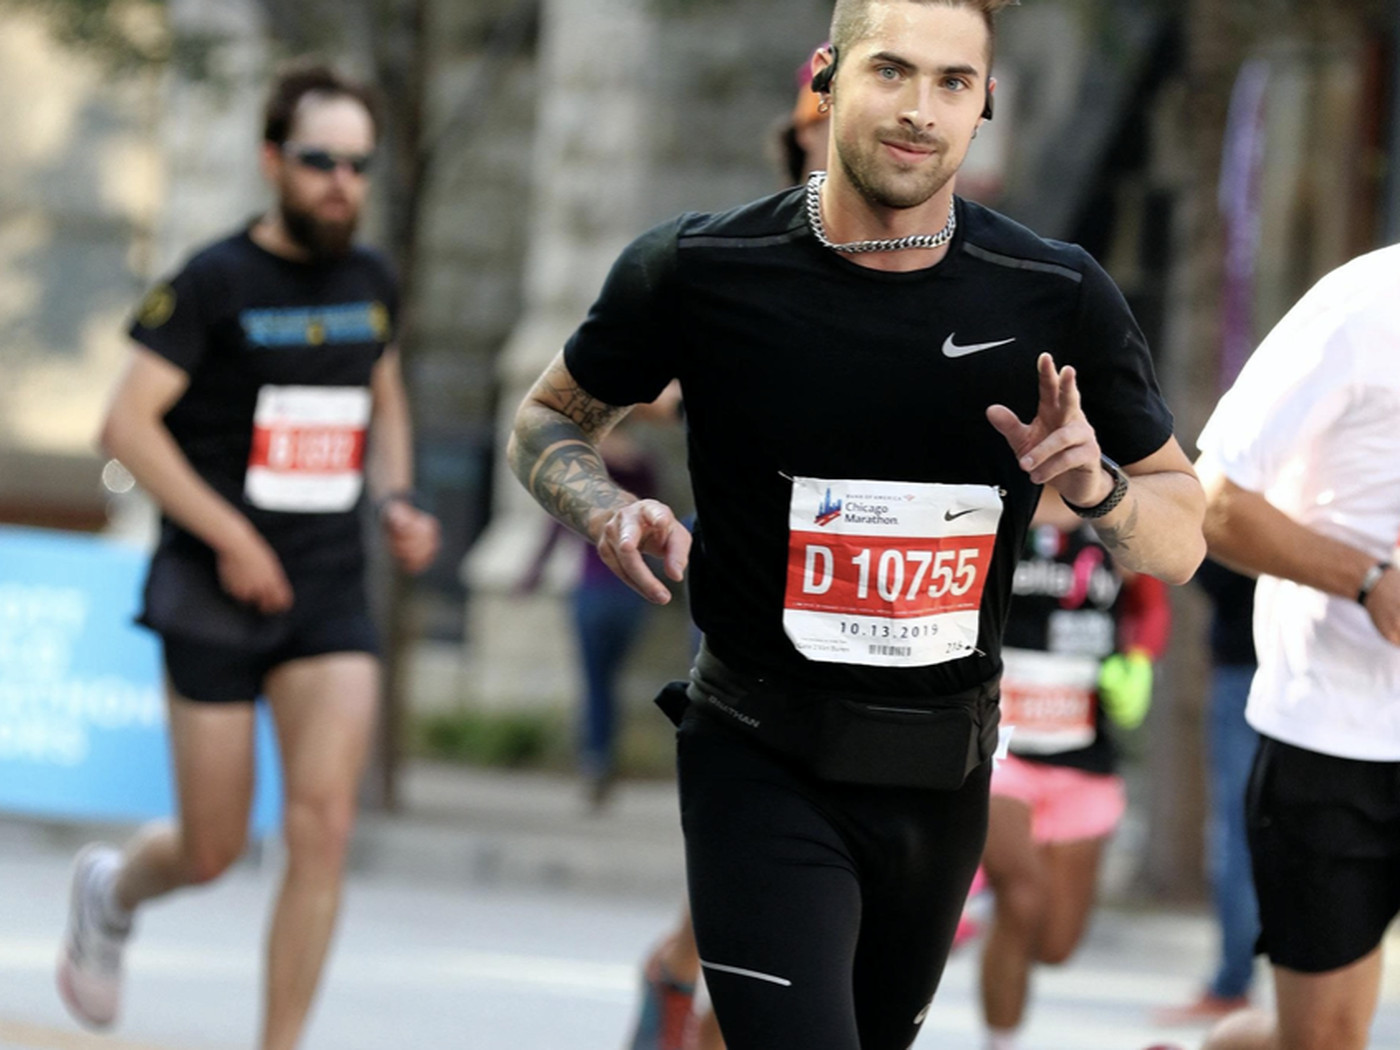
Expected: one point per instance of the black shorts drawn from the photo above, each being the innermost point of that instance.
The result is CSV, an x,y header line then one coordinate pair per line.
x,y
823,912
1324,838
330,615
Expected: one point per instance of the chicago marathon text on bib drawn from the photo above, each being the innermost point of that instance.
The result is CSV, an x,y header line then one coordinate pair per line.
x,y
887,573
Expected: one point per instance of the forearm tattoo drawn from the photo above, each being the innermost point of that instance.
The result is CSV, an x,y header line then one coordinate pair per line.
x,y
593,417
555,457
1120,537
571,483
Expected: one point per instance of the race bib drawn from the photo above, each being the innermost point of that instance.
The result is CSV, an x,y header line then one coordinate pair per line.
x,y
887,573
308,448
1088,632
1048,698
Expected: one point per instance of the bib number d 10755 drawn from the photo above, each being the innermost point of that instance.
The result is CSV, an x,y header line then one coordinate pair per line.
x,y
308,448
887,574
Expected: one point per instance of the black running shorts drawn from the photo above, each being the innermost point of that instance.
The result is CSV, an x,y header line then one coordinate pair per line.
x,y
1324,835
330,615
824,912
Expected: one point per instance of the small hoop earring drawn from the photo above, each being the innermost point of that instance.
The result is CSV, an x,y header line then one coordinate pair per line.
x,y
824,106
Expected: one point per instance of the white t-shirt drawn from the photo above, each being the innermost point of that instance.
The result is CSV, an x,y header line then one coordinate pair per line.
x,y
1313,423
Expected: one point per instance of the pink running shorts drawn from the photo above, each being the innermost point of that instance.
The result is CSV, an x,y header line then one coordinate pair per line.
x,y
1066,804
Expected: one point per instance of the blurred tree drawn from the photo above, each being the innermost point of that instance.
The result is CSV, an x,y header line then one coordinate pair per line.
x,y
126,36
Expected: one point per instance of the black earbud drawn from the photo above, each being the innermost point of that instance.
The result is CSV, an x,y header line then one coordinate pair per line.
x,y
987,107
821,80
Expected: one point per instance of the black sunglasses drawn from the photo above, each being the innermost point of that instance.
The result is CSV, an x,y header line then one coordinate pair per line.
x,y
324,160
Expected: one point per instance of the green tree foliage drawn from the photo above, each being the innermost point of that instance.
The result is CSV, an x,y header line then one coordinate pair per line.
x,y
126,36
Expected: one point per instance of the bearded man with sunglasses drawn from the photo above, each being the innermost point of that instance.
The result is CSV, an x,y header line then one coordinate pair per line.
x,y
262,393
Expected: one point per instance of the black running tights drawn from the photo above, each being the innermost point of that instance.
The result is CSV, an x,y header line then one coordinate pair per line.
x,y
824,912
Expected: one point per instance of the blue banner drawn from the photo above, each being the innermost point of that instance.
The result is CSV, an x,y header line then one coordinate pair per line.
x,y
82,708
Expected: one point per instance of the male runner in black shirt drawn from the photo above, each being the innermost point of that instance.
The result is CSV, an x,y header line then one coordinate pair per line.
x,y
857,357
262,387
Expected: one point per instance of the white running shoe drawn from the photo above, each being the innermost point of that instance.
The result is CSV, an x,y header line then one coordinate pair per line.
x,y
90,963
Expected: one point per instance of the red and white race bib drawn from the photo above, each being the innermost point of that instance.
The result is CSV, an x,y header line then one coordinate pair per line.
x,y
1048,699
308,448
887,573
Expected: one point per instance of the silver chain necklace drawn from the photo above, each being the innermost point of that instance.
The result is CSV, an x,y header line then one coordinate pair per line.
x,y
897,244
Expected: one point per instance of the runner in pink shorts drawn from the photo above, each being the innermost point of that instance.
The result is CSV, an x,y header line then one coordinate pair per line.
x,y
1080,642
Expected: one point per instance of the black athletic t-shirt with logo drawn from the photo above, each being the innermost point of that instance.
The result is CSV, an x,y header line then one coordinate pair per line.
x,y
797,363
279,356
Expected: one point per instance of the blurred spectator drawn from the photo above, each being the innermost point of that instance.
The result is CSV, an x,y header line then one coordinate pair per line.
x,y
608,616
1231,743
802,137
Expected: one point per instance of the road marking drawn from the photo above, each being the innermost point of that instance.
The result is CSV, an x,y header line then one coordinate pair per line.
x,y
355,965
40,1037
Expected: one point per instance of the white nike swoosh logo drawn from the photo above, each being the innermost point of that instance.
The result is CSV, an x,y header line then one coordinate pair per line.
x,y
952,349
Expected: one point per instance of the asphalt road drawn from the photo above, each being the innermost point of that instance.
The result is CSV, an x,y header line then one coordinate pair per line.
x,y
515,926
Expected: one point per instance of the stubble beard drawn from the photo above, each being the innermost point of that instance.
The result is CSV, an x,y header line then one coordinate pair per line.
x,y
325,240
870,179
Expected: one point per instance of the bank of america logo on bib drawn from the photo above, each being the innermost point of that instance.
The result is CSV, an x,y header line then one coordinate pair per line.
x,y
828,511
887,573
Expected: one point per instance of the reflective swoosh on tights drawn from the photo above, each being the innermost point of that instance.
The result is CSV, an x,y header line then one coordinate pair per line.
x,y
952,349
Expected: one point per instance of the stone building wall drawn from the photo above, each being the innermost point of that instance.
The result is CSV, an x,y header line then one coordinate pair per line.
x,y
80,189
677,118
109,181
480,127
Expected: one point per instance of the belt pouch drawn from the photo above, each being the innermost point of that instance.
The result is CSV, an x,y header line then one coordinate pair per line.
x,y
673,701
896,745
920,742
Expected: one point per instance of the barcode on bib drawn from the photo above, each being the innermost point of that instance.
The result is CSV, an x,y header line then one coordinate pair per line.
x,y
891,650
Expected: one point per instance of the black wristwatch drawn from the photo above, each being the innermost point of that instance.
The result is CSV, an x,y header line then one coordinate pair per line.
x,y
1115,497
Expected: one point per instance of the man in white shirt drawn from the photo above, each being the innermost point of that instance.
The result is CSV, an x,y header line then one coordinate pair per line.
x,y
1301,465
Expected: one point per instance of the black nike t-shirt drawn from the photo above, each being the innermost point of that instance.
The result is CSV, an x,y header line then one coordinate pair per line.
x,y
279,356
798,363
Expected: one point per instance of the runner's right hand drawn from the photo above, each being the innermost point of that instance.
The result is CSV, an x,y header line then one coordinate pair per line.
x,y
250,571
646,526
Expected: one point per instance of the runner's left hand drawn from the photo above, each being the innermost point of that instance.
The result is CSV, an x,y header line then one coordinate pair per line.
x,y
639,528
413,535
1058,447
